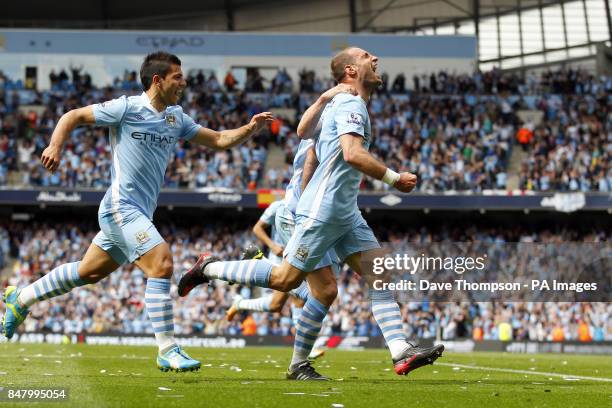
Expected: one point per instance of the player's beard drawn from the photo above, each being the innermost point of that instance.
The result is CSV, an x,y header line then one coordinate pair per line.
x,y
372,82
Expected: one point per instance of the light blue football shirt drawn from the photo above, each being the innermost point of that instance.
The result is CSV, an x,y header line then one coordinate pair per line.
x,y
294,188
142,140
269,214
331,194
268,217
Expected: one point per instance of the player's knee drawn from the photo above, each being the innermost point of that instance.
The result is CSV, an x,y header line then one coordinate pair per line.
x,y
91,275
290,282
285,278
329,294
92,278
165,268
276,305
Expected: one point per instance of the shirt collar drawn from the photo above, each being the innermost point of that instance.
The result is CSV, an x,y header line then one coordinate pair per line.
x,y
147,103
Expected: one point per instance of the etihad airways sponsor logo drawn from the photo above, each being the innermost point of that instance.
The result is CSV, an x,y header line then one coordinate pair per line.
x,y
154,140
164,41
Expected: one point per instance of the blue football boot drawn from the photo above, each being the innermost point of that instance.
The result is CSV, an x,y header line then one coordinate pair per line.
x,y
177,360
14,314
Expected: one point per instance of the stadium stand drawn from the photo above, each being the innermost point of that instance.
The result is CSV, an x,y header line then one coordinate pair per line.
x,y
456,132
116,304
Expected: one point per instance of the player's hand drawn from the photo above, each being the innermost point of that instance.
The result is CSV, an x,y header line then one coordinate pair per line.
x,y
260,121
340,88
277,250
50,157
406,182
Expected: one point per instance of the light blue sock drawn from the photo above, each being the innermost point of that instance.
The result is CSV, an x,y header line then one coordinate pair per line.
x,y
301,292
261,304
159,309
252,272
59,281
307,329
388,317
296,312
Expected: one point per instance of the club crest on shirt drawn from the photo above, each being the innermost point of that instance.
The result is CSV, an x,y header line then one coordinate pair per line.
x,y
142,237
354,118
171,120
287,226
301,254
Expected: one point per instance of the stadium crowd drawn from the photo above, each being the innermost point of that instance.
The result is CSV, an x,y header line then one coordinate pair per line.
x,y
455,132
571,150
116,304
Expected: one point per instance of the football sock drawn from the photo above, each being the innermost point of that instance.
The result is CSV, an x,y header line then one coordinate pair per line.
x,y
302,291
307,329
59,281
252,272
389,319
159,308
261,304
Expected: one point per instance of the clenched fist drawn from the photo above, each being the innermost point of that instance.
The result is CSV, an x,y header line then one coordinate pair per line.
x,y
50,157
406,182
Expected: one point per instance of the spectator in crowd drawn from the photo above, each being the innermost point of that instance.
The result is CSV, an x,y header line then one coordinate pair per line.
x,y
455,131
100,308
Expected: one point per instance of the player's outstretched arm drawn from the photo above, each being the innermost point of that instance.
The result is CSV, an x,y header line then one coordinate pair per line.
x,y
226,139
359,158
50,157
260,232
309,124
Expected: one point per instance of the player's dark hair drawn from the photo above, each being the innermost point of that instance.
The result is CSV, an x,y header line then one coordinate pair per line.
x,y
339,61
156,63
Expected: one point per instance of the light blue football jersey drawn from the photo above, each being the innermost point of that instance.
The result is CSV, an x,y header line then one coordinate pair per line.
x,y
294,188
142,140
269,217
331,194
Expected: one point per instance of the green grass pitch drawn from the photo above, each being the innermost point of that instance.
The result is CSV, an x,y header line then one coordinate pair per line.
x,y
117,376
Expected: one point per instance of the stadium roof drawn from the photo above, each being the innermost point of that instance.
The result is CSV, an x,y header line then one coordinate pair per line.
x,y
512,33
141,14
115,13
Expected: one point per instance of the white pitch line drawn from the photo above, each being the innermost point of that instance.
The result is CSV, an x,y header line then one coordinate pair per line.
x,y
68,358
510,370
